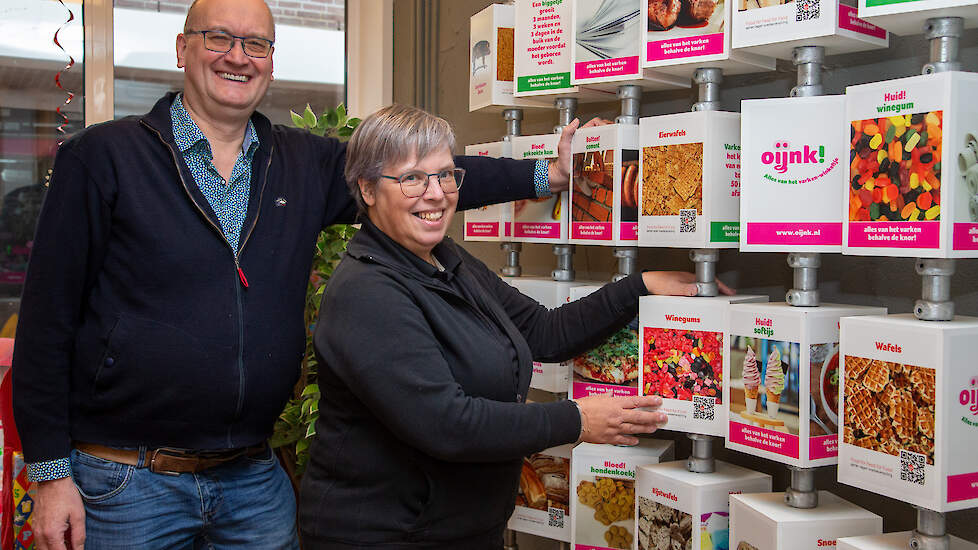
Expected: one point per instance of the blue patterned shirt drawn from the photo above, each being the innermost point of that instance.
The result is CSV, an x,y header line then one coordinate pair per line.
x,y
228,200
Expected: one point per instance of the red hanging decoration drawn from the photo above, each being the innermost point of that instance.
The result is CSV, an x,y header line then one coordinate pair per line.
x,y
57,76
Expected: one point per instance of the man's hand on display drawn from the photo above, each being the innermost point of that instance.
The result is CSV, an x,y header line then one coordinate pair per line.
x,y
59,522
609,419
676,283
559,170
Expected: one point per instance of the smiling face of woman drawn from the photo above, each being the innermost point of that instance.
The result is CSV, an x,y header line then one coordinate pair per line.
x,y
418,223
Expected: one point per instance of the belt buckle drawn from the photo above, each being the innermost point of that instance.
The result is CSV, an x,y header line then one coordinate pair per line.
x,y
168,452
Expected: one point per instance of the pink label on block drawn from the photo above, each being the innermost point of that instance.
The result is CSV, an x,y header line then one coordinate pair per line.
x,y
823,446
585,389
589,547
681,48
508,229
962,487
538,230
629,231
794,233
849,21
765,439
895,234
619,66
593,231
482,229
965,236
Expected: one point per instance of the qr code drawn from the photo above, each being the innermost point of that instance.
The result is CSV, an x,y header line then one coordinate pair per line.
x,y
687,220
556,518
806,10
912,467
703,407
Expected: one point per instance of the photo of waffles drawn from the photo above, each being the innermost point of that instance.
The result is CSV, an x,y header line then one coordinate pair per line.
x,y
545,483
889,407
672,179
678,364
614,361
613,504
663,528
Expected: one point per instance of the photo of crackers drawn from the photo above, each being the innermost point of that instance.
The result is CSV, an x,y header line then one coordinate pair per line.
x,y
672,179
663,528
889,407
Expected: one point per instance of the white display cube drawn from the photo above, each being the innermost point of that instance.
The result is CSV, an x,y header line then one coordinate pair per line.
x,y
795,350
910,409
550,377
608,48
793,174
684,346
603,485
543,501
492,51
543,220
907,17
493,222
604,186
612,366
667,495
894,541
762,521
690,180
681,42
913,177
543,52
774,28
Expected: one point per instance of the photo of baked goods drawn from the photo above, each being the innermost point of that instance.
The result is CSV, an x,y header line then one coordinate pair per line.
x,y
702,15
613,504
895,168
764,383
614,361
744,545
672,179
663,528
824,384
889,407
678,364
545,483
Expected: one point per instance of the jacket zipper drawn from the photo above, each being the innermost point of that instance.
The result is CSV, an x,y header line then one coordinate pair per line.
x,y
241,276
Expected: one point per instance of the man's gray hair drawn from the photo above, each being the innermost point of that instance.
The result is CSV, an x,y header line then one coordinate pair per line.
x,y
390,137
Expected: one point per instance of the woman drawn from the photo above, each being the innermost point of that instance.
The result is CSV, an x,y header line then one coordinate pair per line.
x,y
425,359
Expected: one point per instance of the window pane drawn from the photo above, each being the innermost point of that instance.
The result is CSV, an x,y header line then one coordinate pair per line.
x,y
309,55
29,97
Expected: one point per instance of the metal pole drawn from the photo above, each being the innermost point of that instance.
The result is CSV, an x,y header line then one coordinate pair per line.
x,y
631,103
705,260
701,460
565,262
514,120
931,531
801,491
709,80
805,289
566,111
944,34
509,540
808,60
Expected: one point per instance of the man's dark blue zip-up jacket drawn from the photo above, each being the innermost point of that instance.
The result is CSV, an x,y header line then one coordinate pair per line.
x,y
141,326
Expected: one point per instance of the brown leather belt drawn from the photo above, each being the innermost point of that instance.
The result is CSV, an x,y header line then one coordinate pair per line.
x,y
169,461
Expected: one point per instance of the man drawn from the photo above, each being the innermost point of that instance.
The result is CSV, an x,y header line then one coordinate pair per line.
x,y
161,328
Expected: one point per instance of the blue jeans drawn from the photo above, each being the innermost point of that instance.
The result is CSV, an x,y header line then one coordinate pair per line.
x,y
246,503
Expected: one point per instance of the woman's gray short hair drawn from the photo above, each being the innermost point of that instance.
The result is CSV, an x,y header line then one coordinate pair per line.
x,y
389,137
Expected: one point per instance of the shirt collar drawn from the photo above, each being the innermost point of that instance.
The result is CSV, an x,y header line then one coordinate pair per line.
x,y
187,134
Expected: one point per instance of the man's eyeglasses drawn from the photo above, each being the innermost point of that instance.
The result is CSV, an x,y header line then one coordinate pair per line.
x,y
222,42
414,184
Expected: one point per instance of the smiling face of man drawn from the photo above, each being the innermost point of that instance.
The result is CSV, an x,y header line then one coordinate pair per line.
x,y
225,86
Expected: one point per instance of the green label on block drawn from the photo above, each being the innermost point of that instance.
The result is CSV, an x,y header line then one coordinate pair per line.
x,y
874,3
543,82
724,232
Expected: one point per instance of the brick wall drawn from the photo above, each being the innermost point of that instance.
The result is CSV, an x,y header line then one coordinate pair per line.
x,y
328,14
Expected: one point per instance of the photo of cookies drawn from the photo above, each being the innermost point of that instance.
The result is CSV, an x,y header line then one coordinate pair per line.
x,y
888,407
613,504
672,179
663,528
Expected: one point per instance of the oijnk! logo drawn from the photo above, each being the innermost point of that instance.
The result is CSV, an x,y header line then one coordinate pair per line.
x,y
969,397
781,157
